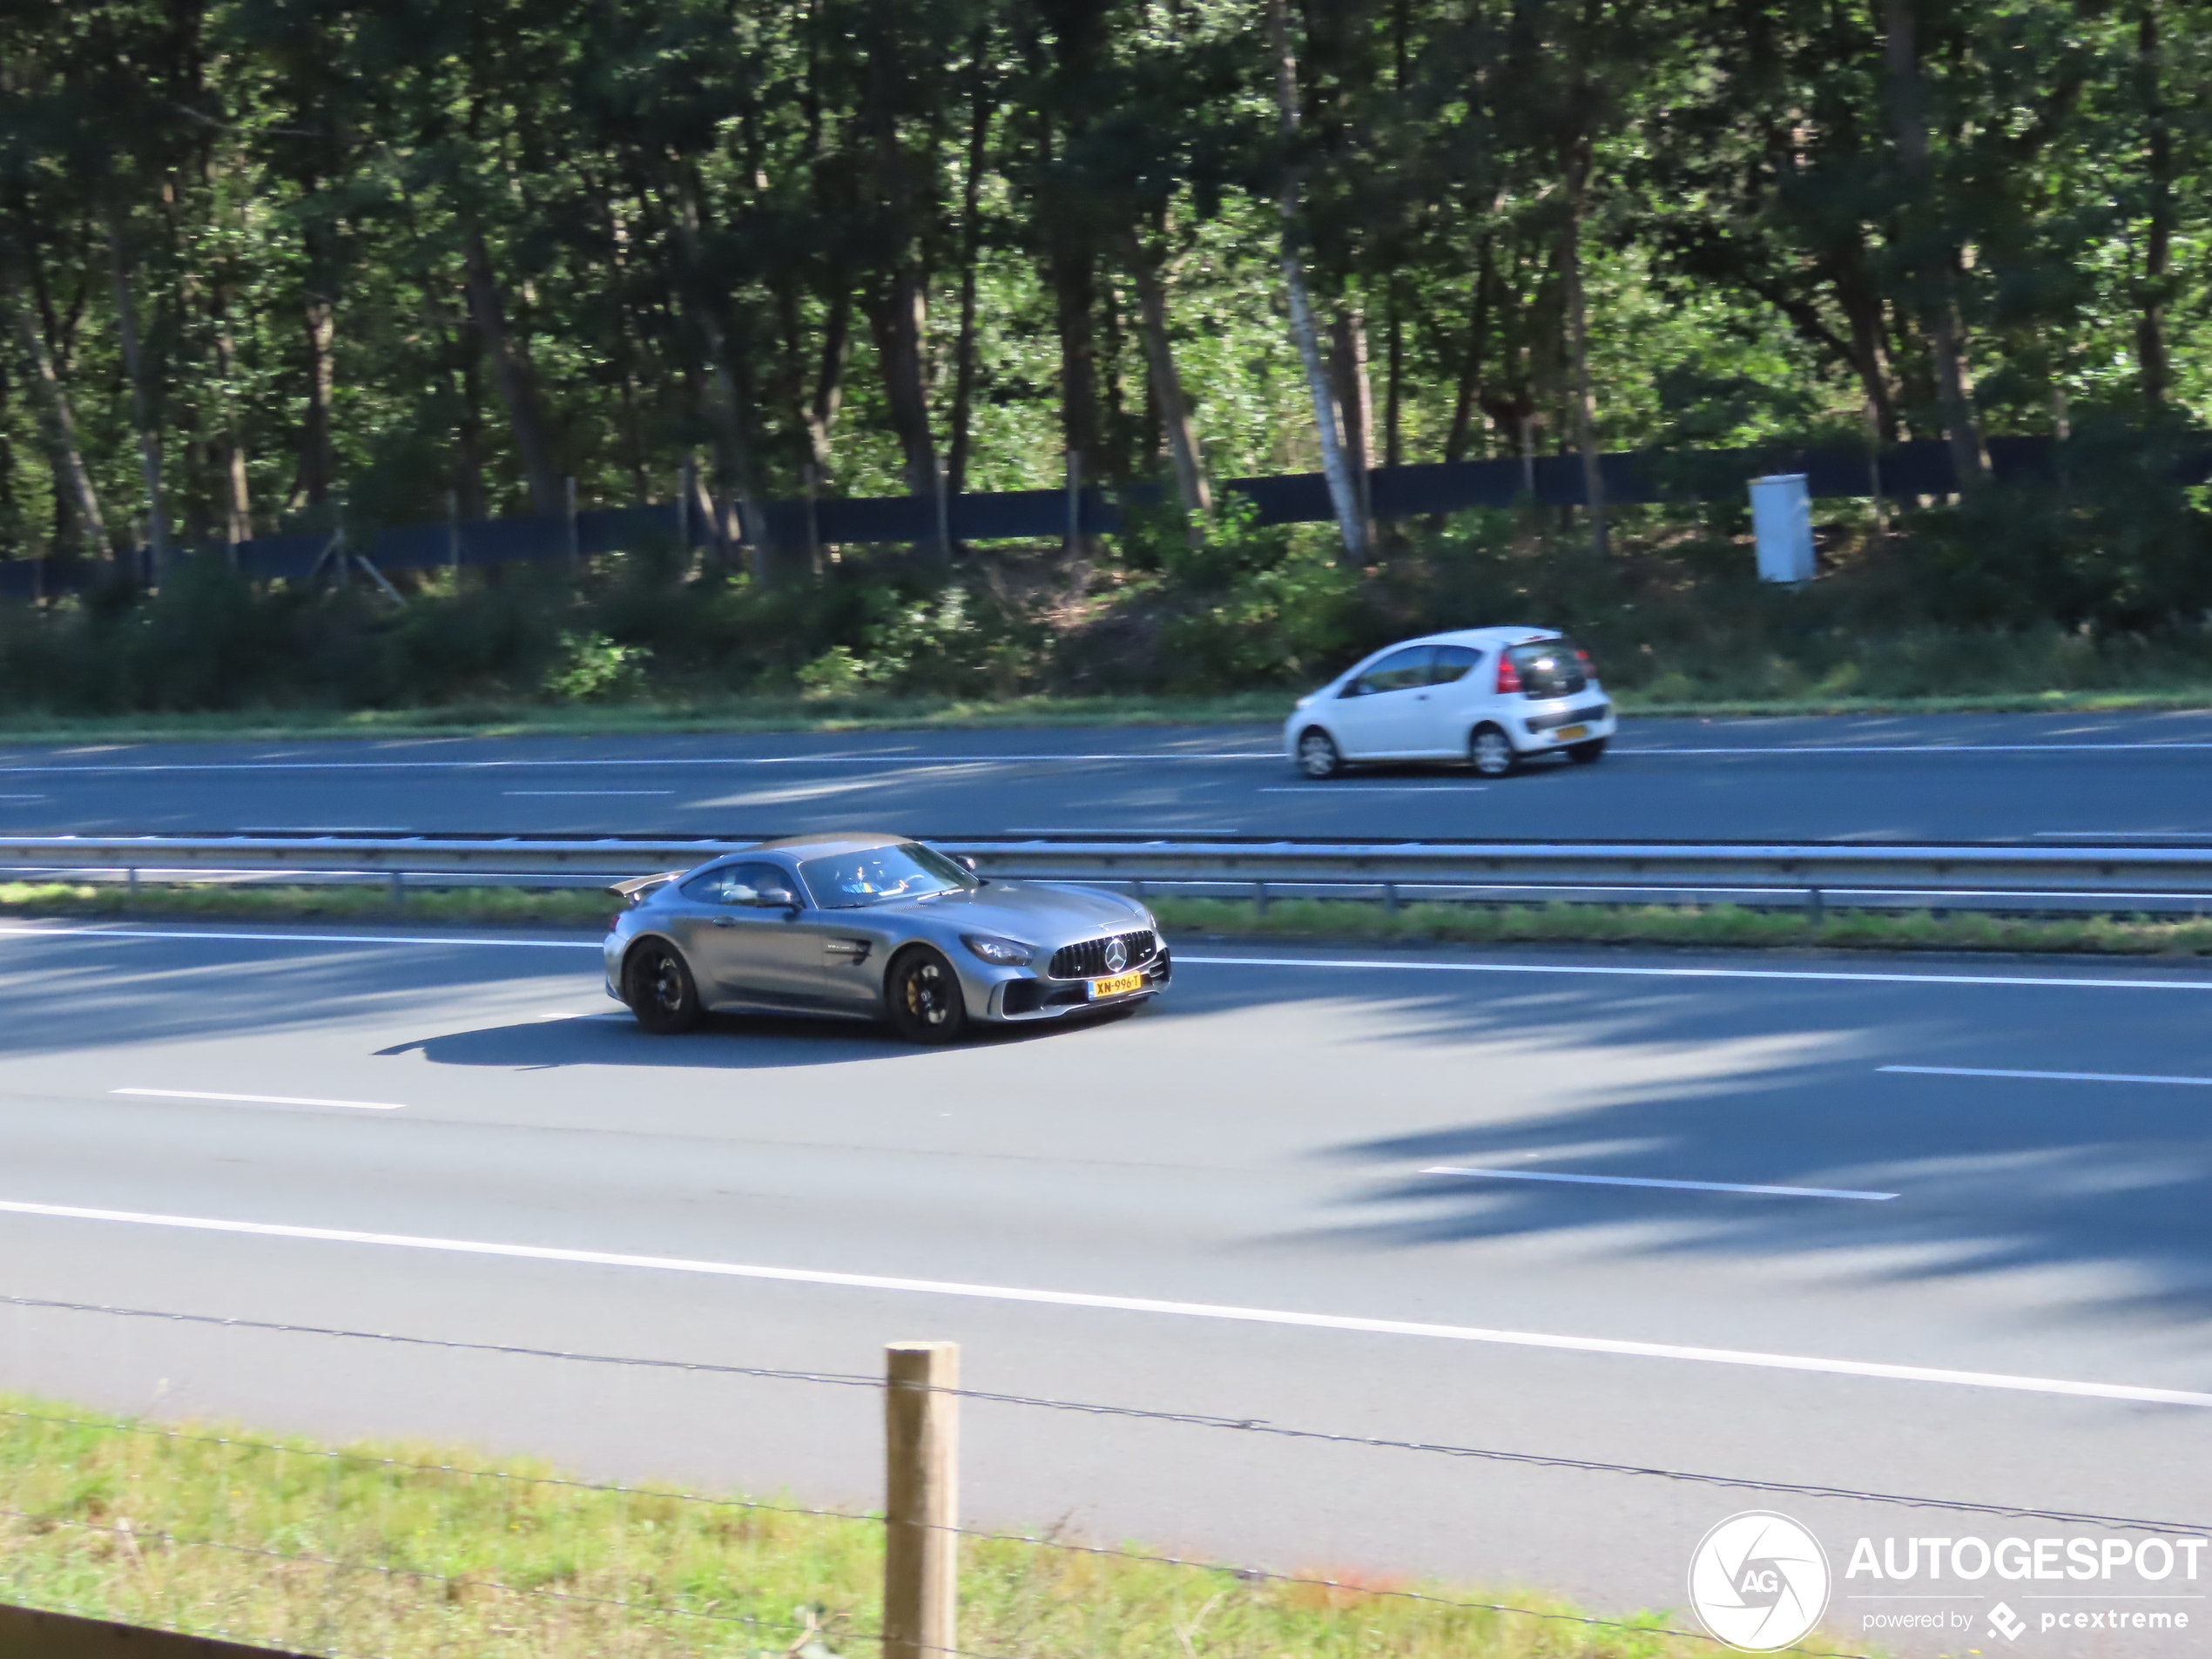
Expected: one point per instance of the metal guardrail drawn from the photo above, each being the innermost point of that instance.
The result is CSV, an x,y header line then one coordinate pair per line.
x,y
1982,875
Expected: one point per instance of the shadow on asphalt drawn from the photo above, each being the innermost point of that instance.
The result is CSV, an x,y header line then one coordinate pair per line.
x,y
721,1042
1991,1175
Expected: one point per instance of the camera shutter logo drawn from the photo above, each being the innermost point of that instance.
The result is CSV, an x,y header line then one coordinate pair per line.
x,y
1759,1582
1117,956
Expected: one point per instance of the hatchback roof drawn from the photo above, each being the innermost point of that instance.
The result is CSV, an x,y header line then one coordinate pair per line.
x,y
1484,637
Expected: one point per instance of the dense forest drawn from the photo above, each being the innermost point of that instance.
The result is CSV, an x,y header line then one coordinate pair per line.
x,y
269,263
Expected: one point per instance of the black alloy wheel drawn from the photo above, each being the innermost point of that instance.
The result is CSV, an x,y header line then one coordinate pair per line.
x,y
1317,755
658,987
1582,753
1491,752
925,998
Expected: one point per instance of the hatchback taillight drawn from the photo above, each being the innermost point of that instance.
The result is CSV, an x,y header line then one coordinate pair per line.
x,y
1590,668
1508,676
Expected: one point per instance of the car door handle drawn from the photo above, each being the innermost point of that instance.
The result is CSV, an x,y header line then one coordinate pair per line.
x,y
725,921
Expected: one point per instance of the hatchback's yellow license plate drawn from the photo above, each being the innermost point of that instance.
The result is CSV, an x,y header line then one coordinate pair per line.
x,y
1568,733
1120,985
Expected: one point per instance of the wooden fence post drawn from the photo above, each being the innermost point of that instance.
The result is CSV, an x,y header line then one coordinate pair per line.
x,y
921,1501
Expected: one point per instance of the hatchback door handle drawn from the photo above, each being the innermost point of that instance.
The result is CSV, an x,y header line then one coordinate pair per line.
x,y
725,921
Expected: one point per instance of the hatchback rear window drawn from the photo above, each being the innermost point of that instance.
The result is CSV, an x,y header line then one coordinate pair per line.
x,y
1549,667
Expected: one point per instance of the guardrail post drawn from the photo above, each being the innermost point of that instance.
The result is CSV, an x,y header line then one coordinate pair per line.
x,y
399,889
1390,898
920,1500
1814,910
130,882
1259,897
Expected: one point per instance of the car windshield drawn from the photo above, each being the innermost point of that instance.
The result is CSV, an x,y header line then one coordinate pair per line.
x,y
878,875
1549,667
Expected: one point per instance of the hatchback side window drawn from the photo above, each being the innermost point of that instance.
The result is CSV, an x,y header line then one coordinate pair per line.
x,y
1396,672
738,884
1453,663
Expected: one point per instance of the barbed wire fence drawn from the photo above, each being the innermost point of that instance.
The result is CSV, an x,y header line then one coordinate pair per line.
x,y
372,1553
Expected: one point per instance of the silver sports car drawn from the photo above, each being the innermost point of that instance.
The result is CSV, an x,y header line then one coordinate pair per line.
x,y
874,926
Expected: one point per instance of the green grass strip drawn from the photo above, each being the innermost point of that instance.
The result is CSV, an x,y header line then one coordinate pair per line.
x,y
415,1550
1319,920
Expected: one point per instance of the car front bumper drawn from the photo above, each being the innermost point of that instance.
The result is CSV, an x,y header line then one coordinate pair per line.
x,y
1024,994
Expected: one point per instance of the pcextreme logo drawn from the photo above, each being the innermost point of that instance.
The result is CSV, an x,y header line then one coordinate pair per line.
x,y
1759,1582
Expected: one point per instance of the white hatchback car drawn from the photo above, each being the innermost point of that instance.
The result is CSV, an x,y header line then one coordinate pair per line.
x,y
1491,696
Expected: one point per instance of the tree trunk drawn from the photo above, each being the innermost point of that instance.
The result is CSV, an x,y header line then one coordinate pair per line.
x,y
1578,343
898,317
73,481
971,246
1394,397
1192,492
142,416
2158,235
237,502
829,379
518,383
1356,404
1468,397
317,467
1342,498
1909,124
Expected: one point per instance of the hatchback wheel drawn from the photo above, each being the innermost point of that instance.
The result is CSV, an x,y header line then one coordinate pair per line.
x,y
1492,753
924,994
659,990
1317,755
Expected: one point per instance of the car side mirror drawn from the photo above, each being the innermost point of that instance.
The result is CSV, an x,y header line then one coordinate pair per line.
x,y
775,899
965,862
1357,688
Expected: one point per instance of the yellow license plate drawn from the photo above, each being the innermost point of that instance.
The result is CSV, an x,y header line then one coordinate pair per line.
x,y
1568,733
1120,985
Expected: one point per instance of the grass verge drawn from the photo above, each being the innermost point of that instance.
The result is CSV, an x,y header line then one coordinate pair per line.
x,y
764,714
1308,918
415,1550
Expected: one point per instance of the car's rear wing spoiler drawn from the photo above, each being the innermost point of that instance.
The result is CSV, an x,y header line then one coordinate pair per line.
x,y
636,886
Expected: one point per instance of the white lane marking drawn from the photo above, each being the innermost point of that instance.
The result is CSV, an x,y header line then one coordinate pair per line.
x,y
264,1100
289,939
1654,1181
1324,793
25,796
1135,1305
2122,835
1910,748
2048,1077
107,767
587,792
1836,976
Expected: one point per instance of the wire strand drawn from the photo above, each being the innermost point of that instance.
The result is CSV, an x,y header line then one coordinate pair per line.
x,y
1252,1425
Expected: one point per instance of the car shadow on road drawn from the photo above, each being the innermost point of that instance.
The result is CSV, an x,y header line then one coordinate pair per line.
x,y
1785,1088
721,1042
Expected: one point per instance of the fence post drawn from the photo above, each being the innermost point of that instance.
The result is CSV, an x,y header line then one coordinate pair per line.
x,y
452,536
814,520
921,1501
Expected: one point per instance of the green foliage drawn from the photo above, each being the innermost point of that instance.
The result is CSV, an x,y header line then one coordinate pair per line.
x,y
592,665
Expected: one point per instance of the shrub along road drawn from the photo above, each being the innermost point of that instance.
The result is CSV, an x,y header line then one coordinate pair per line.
x,y
1914,777
1266,1143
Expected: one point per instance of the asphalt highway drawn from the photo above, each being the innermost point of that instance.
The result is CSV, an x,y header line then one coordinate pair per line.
x,y
1707,1231
2111,777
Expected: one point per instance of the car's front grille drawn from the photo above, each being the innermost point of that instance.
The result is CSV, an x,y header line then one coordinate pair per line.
x,y
1088,960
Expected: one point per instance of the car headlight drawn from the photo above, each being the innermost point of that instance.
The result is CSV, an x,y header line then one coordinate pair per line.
x,y
1006,953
